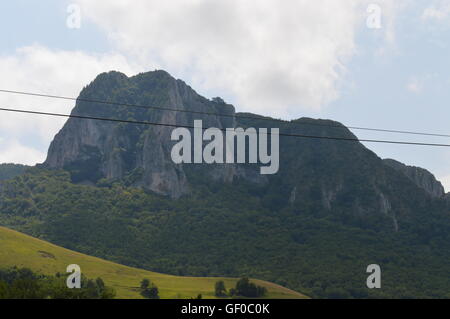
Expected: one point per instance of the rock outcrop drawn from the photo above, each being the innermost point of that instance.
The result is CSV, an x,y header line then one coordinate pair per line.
x,y
421,177
92,149
316,176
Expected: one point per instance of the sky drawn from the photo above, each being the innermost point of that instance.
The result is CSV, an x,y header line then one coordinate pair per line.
x,y
380,64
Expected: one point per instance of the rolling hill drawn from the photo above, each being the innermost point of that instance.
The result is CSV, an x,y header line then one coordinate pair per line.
x,y
21,250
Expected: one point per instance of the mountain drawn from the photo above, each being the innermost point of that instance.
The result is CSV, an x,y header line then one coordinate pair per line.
x,y
329,175
421,177
334,207
92,150
24,251
8,171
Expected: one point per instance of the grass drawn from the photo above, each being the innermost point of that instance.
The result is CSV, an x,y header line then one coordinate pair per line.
x,y
17,249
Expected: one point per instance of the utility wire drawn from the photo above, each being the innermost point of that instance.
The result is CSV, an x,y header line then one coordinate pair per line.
x,y
220,114
224,130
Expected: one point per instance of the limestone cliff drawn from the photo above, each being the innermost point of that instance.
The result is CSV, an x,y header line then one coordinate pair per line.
x,y
92,149
421,177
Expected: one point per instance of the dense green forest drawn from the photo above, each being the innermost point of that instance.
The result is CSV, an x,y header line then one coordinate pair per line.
x,y
22,283
8,171
234,230
244,289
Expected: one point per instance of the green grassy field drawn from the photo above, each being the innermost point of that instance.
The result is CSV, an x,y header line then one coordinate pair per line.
x,y
17,249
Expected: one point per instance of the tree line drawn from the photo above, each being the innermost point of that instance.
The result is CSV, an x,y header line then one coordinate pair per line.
x,y
23,283
244,288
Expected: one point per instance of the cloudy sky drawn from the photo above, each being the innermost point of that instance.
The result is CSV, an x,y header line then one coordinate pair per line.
x,y
381,64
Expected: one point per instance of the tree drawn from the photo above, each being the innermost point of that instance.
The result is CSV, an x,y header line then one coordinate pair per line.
x,y
4,290
27,288
149,290
218,100
247,289
145,283
220,290
22,283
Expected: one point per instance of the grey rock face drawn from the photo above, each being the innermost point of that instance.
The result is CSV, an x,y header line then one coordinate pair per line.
x,y
320,173
93,149
421,177
447,198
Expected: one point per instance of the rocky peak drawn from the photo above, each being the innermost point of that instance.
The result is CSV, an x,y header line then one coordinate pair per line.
x,y
316,176
421,177
92,150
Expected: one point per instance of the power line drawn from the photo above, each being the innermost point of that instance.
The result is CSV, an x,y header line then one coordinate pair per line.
x,y
221,114
224,130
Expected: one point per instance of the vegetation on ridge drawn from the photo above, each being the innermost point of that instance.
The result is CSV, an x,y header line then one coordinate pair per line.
x,y
228,230
45,260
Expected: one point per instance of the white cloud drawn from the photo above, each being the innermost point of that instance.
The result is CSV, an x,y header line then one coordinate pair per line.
x,y
272,57
389,13
420,83
38,69
445,180
275,58
15,152
415,85
438,11
444,172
